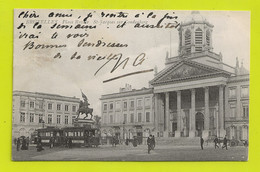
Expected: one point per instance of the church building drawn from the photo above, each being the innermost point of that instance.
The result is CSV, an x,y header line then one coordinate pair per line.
x,y
196,94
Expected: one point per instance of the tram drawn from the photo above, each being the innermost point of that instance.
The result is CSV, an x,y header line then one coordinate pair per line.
x,y
78,136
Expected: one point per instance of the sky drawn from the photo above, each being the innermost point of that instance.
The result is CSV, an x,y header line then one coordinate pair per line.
x,y
36,70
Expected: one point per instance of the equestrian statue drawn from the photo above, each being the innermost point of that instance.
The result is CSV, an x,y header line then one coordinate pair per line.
x,y
83,107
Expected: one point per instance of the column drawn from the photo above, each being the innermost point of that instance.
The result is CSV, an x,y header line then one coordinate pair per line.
x,y
192,115
221,131
205,132
167,115
178,131
156,112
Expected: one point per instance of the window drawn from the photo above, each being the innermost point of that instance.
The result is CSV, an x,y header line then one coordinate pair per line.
x,y
245,111
125,105
187,37
232,92
139,102
147,116
22,103
66,107
139,118
73,118
31,104
132,104
198,36
50,106
232,132
66,119
73,108
49,119
31,117
111,118
22,117
125,118
58,119
244,92
105,107
132,118
232,111
58,106
111,106
208,38
40,118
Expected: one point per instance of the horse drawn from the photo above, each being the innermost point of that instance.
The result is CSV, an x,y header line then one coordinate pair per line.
x,y
85,111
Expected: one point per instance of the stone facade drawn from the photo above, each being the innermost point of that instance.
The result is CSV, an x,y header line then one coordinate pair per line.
x,y
197,94
37,110
128,113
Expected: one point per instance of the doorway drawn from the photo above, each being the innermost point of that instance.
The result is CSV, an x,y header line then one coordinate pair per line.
x,y
199,118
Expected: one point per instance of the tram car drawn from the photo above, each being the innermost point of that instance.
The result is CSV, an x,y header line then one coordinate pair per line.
x,y
51,133
81,136
77,136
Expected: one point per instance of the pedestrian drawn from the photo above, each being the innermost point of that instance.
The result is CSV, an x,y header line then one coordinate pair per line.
x,y
70,142
201,142
51,142
149,143
23,144
27,143
39,144
153,142
225,143
18,142
216,142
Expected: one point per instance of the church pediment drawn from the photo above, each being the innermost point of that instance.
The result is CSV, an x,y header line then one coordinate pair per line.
x,y
185,70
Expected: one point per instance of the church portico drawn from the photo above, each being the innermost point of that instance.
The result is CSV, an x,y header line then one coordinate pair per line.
x,y
190,113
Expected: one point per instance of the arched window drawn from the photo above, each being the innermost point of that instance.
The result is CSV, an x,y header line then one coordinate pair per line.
x,y
208,38
198,36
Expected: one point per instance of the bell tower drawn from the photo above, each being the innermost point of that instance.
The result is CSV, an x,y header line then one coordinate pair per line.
x,y
195,35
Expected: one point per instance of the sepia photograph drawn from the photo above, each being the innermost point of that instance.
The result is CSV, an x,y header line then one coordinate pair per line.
x,y
130,85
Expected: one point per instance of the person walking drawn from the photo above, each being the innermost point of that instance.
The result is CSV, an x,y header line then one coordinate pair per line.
x,y
201,142
216,142
225,143
153,142
149,143
18,142
27,143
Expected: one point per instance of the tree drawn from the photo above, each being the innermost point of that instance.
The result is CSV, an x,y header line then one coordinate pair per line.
x,y
97,121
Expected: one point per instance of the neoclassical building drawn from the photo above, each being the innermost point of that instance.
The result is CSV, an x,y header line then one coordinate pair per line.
x,y
196,94
33,110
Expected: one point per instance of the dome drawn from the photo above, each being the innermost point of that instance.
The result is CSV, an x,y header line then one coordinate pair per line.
x,y
195,16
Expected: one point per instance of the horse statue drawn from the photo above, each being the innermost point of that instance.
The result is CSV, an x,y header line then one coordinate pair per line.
x,y
86,111
83,107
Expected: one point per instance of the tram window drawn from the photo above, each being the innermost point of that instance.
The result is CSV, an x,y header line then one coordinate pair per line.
x,y
81,133
70,133
51,134
47,133
66,134
57,134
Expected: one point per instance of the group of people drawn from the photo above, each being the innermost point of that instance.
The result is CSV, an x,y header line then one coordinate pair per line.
x,y
216,142
22,143
68,142
150,143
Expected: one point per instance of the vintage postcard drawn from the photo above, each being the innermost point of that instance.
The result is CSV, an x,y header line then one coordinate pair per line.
x,y
130,85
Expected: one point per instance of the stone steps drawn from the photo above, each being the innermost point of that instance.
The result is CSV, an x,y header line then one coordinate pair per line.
x,y
183,141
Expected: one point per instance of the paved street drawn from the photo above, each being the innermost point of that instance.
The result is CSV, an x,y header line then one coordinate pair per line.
x,y
130,153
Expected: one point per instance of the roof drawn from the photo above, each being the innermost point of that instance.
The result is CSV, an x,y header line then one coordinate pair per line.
x,y
185,70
